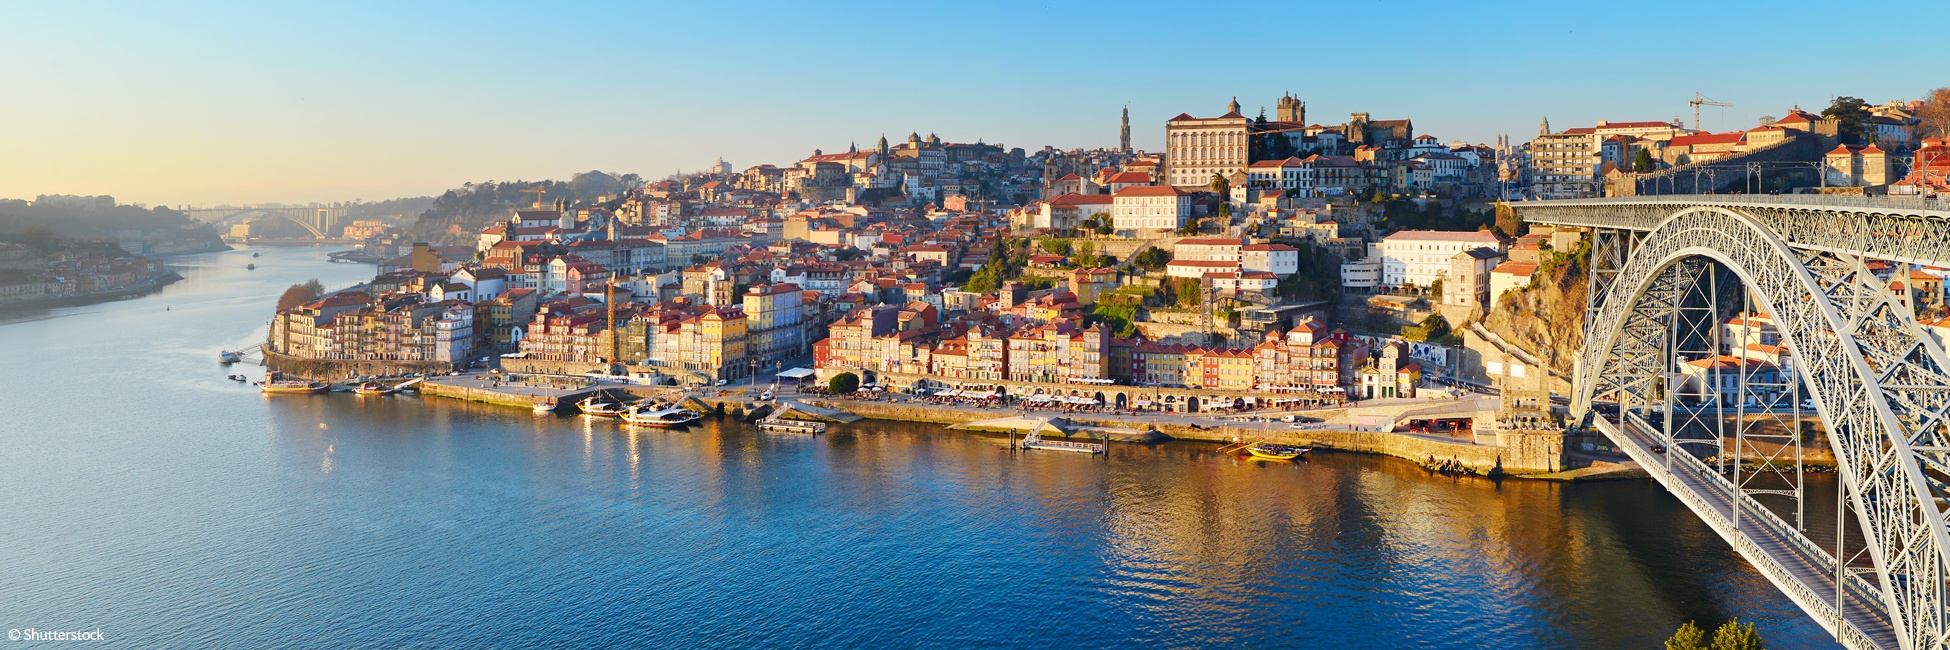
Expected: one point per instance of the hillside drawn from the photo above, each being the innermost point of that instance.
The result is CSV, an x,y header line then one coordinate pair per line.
x,y
1548,316
471,207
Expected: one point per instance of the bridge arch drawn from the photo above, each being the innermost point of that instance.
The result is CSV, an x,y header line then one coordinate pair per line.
x,y
255,215
1877,382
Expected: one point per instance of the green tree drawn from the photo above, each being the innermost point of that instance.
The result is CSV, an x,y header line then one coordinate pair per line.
x,y
1221,186
1642,163
1189,291
843,384
1435,289
1851,118
1735,635
1689,637
1191,227
1152,259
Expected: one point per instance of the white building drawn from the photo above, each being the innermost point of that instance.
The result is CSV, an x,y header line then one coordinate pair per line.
x,y
1363,274
1196,148
1420,257
1277,259
1196,269
1207,249
1243,281
454,334
1150,209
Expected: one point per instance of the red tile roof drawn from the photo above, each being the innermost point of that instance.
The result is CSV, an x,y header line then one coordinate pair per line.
x,y
1152,190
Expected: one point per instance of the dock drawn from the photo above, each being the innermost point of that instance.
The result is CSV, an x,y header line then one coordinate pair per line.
x,y
793,426
1034,440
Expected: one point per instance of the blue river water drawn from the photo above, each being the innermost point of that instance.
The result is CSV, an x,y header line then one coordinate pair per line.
x,y
143,494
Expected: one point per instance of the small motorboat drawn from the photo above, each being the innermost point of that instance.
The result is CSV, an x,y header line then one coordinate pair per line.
x,y
1269,451
599,407
238,378
669,418
370,388
227,357
546,406
256,254
250,267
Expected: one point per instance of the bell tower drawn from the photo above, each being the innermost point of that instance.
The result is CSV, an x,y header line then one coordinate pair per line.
x,y
1124,132
1291,109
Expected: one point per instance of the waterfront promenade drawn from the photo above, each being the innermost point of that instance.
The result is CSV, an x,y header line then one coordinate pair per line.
x,y
1366,427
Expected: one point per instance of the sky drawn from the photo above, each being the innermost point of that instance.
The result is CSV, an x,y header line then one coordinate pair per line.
x,y
205,103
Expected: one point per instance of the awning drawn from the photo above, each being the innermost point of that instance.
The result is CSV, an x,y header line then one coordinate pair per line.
x,y
797,373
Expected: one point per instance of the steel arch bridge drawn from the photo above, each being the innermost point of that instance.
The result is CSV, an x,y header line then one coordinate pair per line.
x,y
315,220
1675,279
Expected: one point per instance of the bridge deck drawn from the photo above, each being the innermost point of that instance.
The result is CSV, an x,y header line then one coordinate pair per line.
x,y
1792,557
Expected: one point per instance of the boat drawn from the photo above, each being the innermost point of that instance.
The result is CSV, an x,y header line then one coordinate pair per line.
x,y
227,357
256,254
600,407
669,418
796,426
545,406
250,267
370,388
238,378
292,387
1269,451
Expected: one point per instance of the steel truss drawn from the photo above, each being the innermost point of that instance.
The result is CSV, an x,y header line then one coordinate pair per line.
x,y
1874,377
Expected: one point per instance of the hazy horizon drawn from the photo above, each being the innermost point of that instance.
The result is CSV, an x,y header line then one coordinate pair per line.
x,y
242,104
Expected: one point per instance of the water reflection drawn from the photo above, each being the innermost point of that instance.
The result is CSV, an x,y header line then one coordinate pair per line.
x,y
461,524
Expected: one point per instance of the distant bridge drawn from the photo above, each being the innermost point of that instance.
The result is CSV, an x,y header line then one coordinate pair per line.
x,y
1668,272
317,220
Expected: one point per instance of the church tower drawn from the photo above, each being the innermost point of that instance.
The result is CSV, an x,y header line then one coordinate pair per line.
x,y
1544,128
1291,109
1124,132
1233,106
883,146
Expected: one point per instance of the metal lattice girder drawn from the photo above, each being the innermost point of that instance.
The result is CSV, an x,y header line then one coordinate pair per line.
x,y
1877,381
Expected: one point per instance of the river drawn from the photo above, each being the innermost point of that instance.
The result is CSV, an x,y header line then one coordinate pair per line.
x,y
149,497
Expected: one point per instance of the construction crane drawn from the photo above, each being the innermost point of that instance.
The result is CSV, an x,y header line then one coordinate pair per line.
x,y
538,196
1699,101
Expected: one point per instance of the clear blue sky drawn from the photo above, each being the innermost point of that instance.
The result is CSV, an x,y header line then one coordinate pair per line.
x,y
243,102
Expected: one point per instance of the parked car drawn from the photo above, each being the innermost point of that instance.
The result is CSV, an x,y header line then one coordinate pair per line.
x,y
721,382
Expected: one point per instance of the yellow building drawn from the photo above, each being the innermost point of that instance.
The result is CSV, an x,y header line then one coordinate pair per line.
x,y
713,343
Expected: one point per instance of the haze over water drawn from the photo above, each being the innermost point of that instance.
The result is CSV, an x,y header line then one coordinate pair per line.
x,y
146,495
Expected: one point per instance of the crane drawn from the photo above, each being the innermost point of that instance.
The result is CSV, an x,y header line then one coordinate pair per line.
x,y
1699,101
538,196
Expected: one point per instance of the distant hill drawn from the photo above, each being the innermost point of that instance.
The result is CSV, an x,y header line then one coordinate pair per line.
x,y
86,222
473,206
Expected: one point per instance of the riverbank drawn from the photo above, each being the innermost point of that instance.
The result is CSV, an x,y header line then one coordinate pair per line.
x,y
153,284
1537,455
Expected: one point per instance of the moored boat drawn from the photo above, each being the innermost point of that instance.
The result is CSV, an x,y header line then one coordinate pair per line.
x,y
545,406
600,407
796,426
227,357
1269,451
669,418
292,387
370,388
